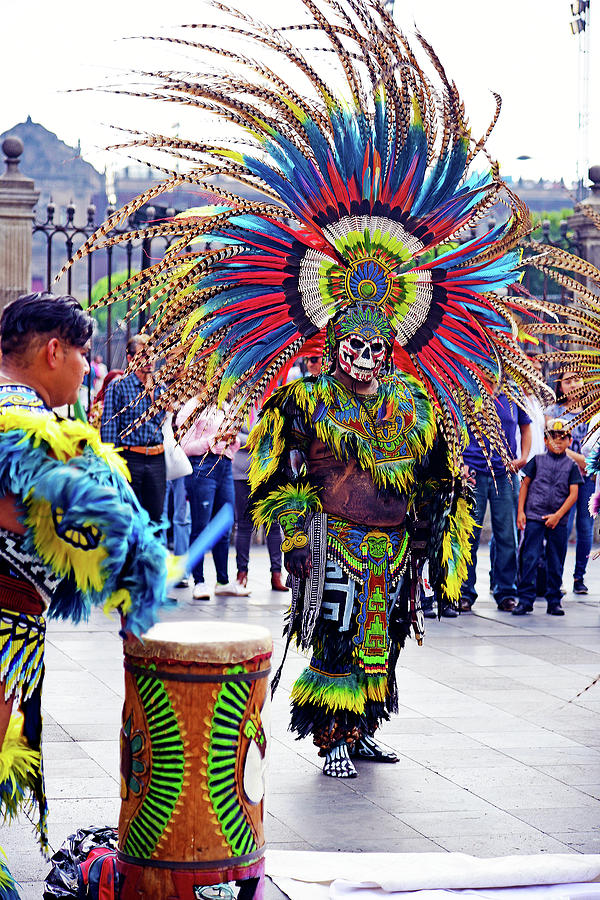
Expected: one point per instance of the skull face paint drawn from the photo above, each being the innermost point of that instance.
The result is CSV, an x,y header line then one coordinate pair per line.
x,y
361,355
363,340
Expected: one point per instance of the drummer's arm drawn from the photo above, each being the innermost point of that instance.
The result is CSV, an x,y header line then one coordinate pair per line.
x,y
9,515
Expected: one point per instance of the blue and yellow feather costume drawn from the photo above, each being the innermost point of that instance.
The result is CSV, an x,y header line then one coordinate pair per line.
x,y
361,600
87,543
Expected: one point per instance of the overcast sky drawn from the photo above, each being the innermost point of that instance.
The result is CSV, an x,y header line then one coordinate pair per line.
x,y
523,49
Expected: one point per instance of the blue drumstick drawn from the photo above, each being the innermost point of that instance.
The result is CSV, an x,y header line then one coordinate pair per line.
x,y
205,541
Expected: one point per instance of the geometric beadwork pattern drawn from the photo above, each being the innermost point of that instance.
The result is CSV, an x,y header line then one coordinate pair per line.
x,y
21,653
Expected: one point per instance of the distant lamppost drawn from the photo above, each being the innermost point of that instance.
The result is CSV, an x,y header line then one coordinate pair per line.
x,y
521,159
580,26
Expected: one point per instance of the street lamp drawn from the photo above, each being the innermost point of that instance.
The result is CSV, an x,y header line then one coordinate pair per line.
x,y
580,26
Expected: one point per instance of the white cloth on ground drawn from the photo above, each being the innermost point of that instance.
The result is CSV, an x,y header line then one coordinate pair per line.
x,y
433,876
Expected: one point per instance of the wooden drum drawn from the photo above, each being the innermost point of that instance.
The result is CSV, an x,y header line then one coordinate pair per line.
x,y
194,747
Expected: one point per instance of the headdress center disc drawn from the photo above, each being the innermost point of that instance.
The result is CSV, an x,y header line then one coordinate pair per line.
x,y
368,279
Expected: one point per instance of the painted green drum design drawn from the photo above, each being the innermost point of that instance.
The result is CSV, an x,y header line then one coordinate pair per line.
x,y
165,768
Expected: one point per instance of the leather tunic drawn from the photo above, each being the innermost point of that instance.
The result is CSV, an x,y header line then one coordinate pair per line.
x,y
348,492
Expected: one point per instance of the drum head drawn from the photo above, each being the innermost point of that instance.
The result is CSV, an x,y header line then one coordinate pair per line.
x,y
201,641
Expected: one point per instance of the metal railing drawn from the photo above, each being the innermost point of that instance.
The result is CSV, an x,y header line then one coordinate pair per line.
x,y
61,240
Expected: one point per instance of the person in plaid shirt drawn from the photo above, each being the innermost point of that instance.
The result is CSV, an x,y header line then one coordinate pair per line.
x,y
126,400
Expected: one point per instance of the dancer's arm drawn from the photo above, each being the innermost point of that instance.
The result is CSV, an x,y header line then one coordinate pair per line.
x,y
9,515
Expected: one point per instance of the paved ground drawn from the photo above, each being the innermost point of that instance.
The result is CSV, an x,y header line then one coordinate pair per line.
x,y
497,754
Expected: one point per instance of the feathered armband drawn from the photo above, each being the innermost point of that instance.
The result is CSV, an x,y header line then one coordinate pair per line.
x,y
289,507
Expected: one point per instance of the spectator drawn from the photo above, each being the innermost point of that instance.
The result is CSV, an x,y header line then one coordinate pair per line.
x,y
497,487
177,508
535,411
313,364
95,411
126,400
431,605
240,466
548,491
180,520
99,373
569,405
209,487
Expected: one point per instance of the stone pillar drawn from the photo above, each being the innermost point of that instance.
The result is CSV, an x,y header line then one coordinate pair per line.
x,y
586,231
17,200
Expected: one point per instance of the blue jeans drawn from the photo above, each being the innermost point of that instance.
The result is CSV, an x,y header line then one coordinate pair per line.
x,y
516,486
181,519
244,531
504,529
584,527
209,487
531,549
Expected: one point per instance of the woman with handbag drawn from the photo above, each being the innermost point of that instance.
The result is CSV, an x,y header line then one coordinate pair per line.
x,y
178,466
209,487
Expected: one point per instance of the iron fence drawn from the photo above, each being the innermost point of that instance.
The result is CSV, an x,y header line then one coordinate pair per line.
x,y
56,243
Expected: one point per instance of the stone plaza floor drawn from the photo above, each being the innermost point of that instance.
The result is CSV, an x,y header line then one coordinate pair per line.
x,y
498,754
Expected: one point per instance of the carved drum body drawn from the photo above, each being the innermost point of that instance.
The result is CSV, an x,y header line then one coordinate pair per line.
x,y
194,745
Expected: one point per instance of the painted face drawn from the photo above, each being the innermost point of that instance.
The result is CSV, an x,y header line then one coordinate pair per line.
x,y
288,522
361,356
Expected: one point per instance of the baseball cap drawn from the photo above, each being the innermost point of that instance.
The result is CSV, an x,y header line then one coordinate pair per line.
x,y
558,425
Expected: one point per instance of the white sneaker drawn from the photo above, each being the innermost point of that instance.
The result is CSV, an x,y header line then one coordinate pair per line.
x,y
200,591
233,589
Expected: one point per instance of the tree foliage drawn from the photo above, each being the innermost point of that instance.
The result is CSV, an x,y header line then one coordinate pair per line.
x,y
118,308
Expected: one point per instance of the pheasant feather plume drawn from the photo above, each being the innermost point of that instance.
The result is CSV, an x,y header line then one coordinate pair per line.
x,y
361,182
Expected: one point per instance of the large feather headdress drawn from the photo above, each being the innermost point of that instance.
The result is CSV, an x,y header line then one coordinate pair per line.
x,y
363,181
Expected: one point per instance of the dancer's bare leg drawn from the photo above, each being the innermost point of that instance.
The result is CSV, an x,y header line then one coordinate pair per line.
x,y
338,763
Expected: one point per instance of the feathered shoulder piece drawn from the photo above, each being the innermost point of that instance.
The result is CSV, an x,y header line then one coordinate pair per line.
x,y
385,432
22,409
359,180
83,520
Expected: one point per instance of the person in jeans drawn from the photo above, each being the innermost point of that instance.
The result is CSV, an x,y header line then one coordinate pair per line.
x,y
569,406
548,491
244,524
497,487
208,488
181,520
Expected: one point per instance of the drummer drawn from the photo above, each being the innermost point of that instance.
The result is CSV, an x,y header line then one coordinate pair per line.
x,y
45,343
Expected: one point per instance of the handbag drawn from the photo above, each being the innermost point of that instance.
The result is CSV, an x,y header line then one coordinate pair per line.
x,y
176,462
